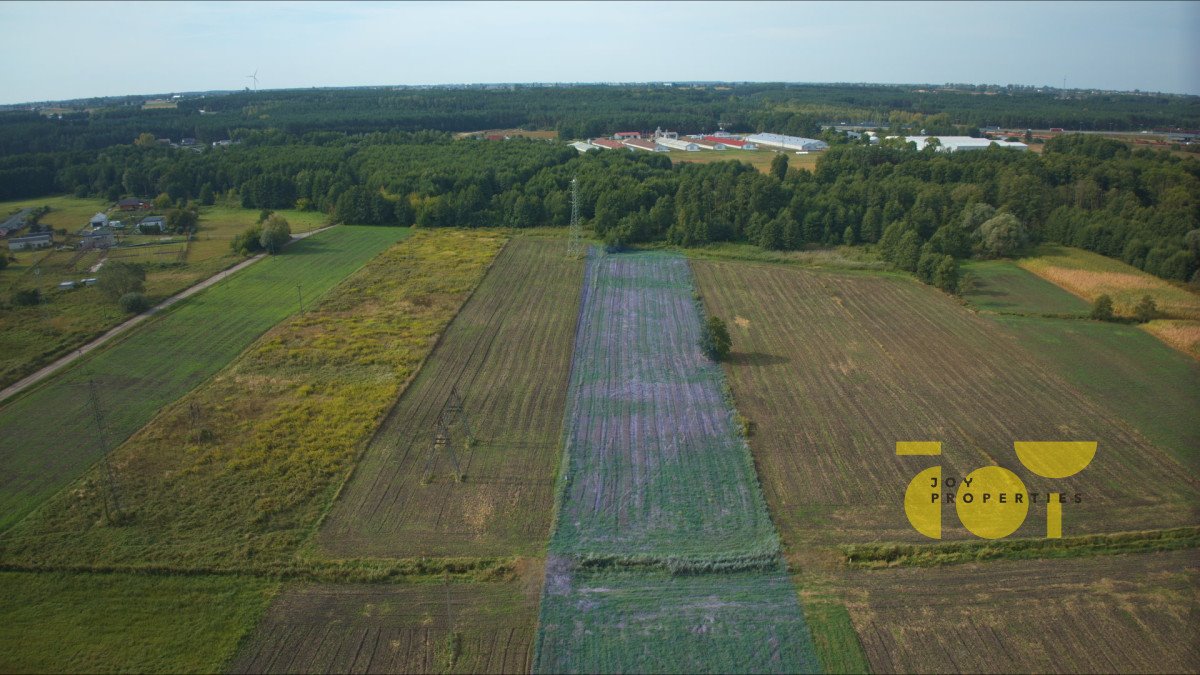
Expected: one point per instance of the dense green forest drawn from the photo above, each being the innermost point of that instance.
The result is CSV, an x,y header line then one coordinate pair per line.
x,y
387,157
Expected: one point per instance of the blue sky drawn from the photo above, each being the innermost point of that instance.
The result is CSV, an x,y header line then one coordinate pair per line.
x,y
55,50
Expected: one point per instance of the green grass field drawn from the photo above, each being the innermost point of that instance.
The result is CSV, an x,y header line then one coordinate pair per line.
x,y
50,435
30,337
109,623
236,475
641,621
1002,287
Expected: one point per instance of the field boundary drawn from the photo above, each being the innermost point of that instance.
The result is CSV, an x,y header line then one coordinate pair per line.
x,y
876,556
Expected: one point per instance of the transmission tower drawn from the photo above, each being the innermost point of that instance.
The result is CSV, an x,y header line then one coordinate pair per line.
x,y
453,413
442,443
575,234
112,502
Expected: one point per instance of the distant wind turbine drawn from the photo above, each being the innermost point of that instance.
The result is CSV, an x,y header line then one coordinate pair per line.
x,y
255,78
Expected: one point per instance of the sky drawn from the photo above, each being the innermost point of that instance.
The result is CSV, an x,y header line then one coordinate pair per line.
x,y
66,50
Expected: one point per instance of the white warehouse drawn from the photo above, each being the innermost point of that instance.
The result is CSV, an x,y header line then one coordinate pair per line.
x,y
781,142
964,143
676,144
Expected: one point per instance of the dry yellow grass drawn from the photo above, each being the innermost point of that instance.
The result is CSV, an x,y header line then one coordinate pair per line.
x,y
1089,275
1182,335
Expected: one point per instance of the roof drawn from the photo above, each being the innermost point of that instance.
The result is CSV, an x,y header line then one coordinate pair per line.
x,y
628,133
152,220
642,144
952,143
100,216
797,142
725,140
41,236
130,201
607,143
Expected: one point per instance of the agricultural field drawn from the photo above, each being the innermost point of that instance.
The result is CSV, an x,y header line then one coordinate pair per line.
x,y
643,621
405,628
1088,275
759,159
102,622
1127,613
50,434
1004,288
655,466
236,475
508,354
1182,335
832,369
32,336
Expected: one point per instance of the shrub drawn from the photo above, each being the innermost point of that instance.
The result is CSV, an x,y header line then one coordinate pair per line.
x,y
1146,310
275,233
119,278
716,341
26,297
134,303
249,241
1102,308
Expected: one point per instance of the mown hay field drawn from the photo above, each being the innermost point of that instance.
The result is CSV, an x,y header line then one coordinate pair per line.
x,y
50,434
1001,286
645,621
1127,613
101,623
236,474
508,354
408,628
1089,275
833,369
655,466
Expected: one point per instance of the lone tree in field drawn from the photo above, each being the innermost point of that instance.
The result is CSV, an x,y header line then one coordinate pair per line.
x,y
1002,235
119,278
1102,309
716,341
1146,310
275,233
779,166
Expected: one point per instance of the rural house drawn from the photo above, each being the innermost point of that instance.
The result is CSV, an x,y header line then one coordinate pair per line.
x,y
99,220
133,204
30,242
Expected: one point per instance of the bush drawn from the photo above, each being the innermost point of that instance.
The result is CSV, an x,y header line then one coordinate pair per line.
x,y
275,233
26,297
1146,310
116,279
716,341
1102,309
249,241
134,303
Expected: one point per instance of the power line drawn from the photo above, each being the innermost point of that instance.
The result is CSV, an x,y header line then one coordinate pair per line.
x,y
575,234
112,502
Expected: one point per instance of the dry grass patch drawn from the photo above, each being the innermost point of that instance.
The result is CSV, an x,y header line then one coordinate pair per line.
x,y
1182,335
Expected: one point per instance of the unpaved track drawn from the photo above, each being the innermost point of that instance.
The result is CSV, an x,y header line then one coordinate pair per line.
x,y
41,374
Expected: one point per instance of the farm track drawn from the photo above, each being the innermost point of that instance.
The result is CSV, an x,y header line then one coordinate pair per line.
x,y
1129,613
45,372
507,352
833,369
50,434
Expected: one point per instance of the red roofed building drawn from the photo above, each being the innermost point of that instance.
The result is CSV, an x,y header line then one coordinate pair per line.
x,y
627,135
731,142
608,143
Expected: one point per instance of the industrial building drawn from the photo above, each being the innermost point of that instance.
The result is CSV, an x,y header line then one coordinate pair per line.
x,y
782,142
728,142
651,146
676,144
608,144
584,146
964,143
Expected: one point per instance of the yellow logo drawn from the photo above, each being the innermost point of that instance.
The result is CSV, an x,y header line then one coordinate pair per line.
x,y
992,502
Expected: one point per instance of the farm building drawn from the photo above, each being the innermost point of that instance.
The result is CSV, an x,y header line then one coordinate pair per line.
x,y
101,238
608,144
782,142
729,142
963,143
650,146
153,224
584,146
676,144
626,135
99,220
660,134
133,204
30,242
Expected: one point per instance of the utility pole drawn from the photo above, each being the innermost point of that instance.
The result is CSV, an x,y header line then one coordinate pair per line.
x,y
300,296
112,503
575,234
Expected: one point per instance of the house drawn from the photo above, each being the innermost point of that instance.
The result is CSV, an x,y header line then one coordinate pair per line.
x,y
152,225
101,238
99,220
651,146
31,242
676,144
133,204
627,135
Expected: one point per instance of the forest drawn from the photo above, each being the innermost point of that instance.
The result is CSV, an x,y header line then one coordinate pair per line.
x,y
387,157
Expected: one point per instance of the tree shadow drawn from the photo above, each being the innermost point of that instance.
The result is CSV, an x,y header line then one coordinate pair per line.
x,y
756,359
